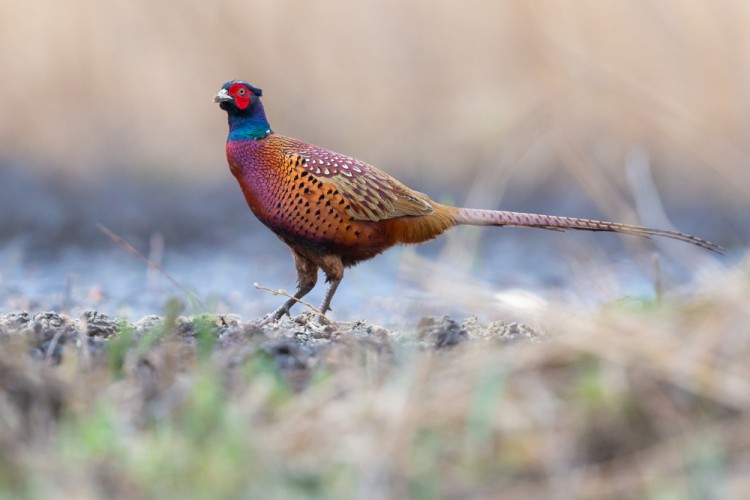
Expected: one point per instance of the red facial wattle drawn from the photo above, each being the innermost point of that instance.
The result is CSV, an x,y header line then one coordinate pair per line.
x,y
241,95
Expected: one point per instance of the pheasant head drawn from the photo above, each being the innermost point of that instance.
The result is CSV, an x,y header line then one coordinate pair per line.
x,y
241,101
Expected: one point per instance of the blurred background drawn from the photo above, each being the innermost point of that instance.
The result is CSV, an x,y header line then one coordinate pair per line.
x,y
633,111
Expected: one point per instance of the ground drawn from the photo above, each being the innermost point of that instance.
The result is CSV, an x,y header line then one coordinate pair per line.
x,y
635,399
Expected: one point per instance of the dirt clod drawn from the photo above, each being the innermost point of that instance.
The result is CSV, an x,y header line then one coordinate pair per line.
x,y
441,332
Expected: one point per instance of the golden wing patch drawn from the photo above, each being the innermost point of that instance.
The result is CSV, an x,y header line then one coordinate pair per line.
x,y
371,193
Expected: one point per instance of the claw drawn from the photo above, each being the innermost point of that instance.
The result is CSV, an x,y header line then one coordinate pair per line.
x,y
275,316
322,320
280,312
268,318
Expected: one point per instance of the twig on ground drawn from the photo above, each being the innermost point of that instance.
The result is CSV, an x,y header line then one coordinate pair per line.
x,y
151,264
286,294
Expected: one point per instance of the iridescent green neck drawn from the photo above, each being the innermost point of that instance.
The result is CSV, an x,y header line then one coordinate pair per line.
x,y
249,124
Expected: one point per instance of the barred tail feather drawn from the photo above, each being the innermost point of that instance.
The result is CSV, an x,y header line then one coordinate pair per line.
x,y
477,217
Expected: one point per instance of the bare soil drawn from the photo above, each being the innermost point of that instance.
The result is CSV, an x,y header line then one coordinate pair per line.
x,y
297,344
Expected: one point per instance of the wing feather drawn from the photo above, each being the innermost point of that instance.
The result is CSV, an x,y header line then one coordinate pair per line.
x,y
371,194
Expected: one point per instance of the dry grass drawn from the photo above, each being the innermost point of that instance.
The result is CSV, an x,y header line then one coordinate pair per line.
x,y
633,400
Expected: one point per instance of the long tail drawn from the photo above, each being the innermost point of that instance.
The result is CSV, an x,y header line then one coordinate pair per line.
x,y
477,217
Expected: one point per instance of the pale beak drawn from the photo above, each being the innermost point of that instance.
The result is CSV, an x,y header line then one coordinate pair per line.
x,y
222,96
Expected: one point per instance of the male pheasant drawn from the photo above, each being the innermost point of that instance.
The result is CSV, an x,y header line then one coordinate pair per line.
x,y
335,211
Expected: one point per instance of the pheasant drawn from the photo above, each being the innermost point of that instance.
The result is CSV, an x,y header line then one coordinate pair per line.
x,y
335,211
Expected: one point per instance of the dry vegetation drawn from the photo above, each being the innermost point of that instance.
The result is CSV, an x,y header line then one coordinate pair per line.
x,y
635,400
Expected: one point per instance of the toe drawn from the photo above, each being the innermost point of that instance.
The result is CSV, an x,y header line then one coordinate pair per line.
x,y
280,312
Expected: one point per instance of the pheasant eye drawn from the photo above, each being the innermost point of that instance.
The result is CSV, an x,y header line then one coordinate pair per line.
x,y
242,91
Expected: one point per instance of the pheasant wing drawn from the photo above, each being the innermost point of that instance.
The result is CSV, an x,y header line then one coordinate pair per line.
x,y
371,194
